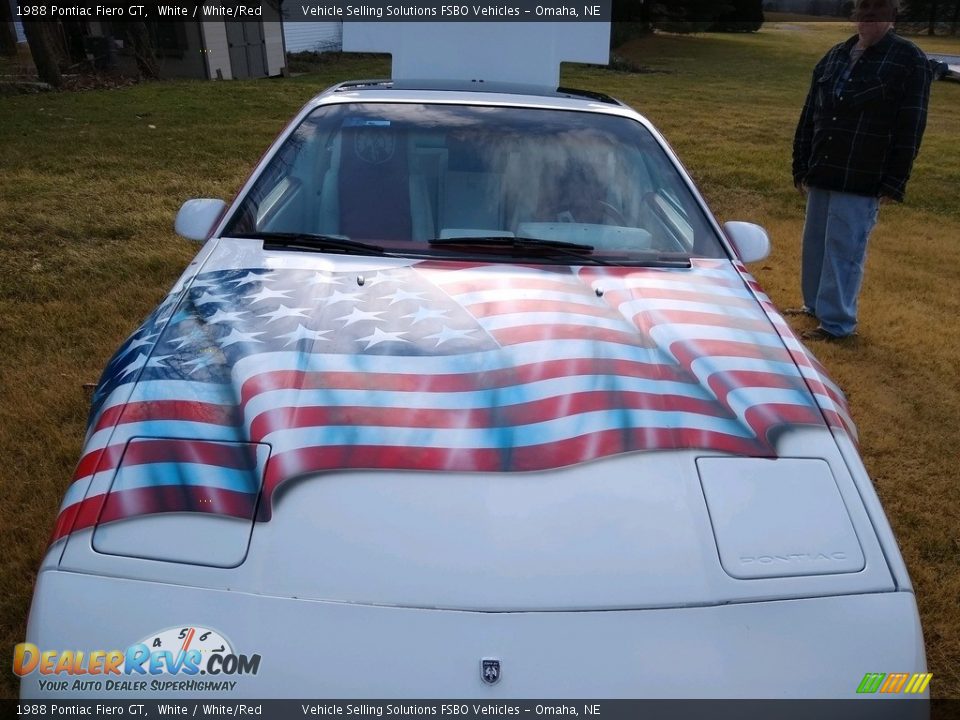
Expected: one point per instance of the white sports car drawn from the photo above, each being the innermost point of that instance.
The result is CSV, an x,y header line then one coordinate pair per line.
x,y
467,394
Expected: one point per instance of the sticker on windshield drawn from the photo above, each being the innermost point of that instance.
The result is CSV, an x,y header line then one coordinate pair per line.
x,y
365,122
373,146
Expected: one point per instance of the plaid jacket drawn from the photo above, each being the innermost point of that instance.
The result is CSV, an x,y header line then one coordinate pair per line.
x,y
861,136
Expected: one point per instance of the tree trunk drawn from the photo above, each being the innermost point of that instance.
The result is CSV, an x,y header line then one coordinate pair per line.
x,y
8,37
143,51
43,52
956,17
932,21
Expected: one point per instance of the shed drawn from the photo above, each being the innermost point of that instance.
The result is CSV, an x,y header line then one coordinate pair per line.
x,y
210,49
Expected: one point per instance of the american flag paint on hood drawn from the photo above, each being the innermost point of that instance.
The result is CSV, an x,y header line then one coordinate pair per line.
x,y
435,366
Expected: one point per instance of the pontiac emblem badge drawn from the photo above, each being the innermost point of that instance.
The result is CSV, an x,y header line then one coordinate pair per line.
x,y
490,670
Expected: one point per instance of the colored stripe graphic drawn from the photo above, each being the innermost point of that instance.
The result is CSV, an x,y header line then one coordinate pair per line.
x,y
893,683
871,682
918,683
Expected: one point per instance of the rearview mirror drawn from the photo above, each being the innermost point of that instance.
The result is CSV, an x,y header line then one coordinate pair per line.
x,y
750,241
196,218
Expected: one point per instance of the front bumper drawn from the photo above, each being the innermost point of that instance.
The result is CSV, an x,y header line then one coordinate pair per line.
x,y
817,648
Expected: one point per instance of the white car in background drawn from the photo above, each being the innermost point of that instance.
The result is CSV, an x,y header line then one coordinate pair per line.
x,y
468,394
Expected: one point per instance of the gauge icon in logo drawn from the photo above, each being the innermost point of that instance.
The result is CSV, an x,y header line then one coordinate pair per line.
x,y
183,639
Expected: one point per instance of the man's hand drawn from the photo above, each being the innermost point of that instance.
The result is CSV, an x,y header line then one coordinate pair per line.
x,y
801,188
887,199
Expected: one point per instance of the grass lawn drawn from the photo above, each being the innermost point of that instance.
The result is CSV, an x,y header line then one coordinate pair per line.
x,y
90,182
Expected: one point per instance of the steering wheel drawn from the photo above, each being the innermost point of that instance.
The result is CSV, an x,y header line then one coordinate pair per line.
x,y
613,212
606,210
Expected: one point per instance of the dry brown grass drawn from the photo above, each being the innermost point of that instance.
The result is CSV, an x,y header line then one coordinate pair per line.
x,y
88,192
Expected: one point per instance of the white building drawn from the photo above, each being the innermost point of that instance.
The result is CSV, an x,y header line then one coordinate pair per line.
x,y
302,35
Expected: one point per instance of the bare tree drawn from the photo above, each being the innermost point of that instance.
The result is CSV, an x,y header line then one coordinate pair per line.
x,y
43,51
934,14
8,39
143,50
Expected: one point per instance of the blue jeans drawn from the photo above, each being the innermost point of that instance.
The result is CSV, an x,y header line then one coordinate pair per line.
x,y
834,250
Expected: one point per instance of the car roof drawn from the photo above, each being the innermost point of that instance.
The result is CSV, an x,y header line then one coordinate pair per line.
x,y
473,86
470,92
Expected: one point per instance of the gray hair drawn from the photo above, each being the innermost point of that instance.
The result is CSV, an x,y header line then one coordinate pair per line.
x,y
892,4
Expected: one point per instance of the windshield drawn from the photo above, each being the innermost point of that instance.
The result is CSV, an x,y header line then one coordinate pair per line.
x,y
436,180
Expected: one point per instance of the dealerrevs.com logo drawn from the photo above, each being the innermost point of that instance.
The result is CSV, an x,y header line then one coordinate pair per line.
x,y
187,652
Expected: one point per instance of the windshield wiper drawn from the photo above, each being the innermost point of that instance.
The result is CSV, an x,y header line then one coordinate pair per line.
x,y
581,251
312,241
662,261
514,242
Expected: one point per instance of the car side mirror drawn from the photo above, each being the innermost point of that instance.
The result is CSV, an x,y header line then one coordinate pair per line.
x,y
750,241
196,218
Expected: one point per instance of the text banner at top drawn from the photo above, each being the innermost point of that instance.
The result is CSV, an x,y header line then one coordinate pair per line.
x,y
317,10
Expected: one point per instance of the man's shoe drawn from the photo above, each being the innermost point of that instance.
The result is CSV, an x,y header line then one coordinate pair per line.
x,y
821,334
804,310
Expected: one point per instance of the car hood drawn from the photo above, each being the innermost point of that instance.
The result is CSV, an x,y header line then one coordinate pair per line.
x,y
444,366
299,386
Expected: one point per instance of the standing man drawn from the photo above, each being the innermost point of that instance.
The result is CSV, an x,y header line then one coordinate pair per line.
x,y
858,134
